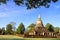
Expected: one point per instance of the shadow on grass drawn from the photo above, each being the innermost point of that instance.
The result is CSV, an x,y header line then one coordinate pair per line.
x,y
12,39
30,39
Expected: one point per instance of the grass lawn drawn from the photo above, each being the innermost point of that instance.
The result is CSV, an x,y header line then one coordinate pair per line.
x,y
9,36
13,37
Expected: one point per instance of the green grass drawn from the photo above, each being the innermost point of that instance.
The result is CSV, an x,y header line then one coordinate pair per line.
x,y
43,39
9,36
13,37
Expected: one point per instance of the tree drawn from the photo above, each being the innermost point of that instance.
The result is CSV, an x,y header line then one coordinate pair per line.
x,y
3,31
35,3
31,26
32,3
20,29
13,25
9,29
3,1
0,30
49,27
56,30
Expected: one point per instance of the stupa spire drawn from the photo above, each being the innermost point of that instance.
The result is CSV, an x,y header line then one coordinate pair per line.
x,y
39,22
39,16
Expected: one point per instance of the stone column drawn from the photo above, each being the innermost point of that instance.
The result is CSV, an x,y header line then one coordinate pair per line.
x,y
52,34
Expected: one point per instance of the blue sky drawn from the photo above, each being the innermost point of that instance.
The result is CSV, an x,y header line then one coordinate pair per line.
x,y
12,13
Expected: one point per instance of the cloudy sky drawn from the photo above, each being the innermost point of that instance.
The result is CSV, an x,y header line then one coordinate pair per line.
x,y
12,13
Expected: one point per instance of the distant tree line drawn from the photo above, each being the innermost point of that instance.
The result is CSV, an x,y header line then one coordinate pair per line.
x,y
21,29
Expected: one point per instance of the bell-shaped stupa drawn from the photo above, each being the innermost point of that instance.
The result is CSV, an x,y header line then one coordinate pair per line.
x,y
39,22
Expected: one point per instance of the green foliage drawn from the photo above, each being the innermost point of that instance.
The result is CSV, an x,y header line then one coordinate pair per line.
x,y
20,29
13,25
35,3
31,26
9,29
31,3
3,1
56,30
18,2
0,30
49,27
3,31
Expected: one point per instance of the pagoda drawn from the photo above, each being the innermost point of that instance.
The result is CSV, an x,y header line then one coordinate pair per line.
x,y
39,30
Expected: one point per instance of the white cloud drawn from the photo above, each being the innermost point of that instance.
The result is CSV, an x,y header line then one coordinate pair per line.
x,y
3,15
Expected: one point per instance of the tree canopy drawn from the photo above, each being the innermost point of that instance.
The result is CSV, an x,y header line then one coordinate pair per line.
x,y
13,25
31,3
31,25
35,3
20,29
56,29
49,27
9,29
3,1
